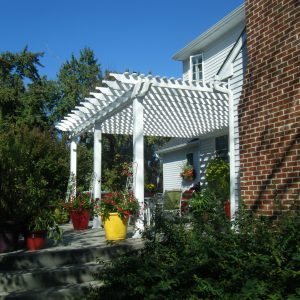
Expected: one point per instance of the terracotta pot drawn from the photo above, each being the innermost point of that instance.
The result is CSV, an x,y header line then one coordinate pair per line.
x,y
80,219
36,240
115,228
9,235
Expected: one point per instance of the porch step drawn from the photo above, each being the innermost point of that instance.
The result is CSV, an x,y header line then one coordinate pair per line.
x,y
47,277
66,292
63,272
60,256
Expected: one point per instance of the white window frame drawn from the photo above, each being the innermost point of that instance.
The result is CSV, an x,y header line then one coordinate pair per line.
x,y
191,66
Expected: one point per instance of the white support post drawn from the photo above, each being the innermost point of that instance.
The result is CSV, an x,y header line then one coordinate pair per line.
x,y
97,160
73,164
97,167
138,161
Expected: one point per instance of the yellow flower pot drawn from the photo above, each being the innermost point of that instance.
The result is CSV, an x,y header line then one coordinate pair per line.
x,y
115,228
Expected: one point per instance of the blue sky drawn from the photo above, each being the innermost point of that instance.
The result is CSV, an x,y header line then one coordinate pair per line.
x,y
138,35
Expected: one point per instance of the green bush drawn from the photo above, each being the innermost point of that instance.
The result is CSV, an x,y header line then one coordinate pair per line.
x,y
33,171
217,175
209,260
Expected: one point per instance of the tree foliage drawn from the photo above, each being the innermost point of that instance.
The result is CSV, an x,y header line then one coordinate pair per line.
x,y
15,69
77,78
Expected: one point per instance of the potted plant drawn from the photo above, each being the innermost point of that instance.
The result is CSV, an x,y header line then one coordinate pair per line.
x,y
115,209
188,172
149,190
42,225
81,208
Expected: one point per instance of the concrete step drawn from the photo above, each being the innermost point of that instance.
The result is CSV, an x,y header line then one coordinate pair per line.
x,y
60,256
47,277
62,271
66,292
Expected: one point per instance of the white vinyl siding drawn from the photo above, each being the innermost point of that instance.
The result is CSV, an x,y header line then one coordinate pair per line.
x,y
214,55
173,162
172,167
236,85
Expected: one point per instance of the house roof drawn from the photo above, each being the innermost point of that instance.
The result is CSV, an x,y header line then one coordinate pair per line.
x,y
172,107
215,32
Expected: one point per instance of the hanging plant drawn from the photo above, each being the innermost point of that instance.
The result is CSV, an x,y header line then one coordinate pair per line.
x,y
188,173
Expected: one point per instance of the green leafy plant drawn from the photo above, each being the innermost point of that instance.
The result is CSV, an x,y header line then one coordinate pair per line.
x,y
217,175
123,203
45,221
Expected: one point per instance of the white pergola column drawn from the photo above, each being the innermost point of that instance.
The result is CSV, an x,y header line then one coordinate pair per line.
x,y
97,168
73,164
138,160
97,160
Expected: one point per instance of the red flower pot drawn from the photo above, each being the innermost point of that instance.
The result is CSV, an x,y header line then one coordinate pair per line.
x,y
227,209
80,219
36,240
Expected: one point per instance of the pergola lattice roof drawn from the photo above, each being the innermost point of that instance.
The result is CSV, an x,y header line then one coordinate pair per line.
x,y
172,107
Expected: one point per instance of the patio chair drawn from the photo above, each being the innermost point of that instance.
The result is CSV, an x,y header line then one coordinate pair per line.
x,y
171,203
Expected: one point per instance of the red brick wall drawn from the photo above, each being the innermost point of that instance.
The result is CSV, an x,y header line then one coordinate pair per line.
x,y
269,110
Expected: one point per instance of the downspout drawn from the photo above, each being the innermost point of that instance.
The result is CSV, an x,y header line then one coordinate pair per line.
x,y
228,91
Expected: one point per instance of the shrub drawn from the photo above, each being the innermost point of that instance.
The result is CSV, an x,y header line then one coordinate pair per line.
x,y
209,260
217,175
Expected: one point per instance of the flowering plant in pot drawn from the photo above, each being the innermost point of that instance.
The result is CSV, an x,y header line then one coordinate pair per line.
x,y
81,209
41,225
149,189
115,209
188,172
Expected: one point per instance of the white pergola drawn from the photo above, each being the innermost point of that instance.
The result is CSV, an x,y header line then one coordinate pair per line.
x,y
148,105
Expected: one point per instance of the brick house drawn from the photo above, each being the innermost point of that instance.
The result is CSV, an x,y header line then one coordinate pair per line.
x,y
269,109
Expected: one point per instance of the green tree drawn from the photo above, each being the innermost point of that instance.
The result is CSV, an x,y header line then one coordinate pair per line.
x,y
77,78
15,69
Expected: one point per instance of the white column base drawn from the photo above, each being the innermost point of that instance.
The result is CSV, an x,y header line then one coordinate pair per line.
x,y
96,222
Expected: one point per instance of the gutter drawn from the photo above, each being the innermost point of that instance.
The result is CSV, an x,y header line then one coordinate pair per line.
x,y
178,147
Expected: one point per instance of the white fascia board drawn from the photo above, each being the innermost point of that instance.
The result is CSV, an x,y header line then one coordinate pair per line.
x,y
226,69
212,34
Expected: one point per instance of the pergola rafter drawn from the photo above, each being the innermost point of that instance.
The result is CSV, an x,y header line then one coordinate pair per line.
x,y
172,107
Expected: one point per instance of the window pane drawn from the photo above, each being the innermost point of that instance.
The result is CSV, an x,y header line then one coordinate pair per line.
x,y
222,146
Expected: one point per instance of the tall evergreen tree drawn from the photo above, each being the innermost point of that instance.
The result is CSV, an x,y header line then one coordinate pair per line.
x,y
15,70
77,78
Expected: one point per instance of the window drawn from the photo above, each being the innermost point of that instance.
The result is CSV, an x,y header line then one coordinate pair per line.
x,y
222,146
190,159
197,67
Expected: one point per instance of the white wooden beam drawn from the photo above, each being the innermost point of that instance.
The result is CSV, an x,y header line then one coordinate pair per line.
x,y
73,161
138,161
